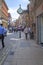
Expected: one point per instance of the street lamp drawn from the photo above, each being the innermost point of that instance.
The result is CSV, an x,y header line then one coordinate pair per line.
x,y
19,11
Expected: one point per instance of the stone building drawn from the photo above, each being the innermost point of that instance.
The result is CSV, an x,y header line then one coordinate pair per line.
x,y
36,11
32,17
25,17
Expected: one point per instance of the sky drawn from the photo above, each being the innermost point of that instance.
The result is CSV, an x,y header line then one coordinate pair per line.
x,y
13,5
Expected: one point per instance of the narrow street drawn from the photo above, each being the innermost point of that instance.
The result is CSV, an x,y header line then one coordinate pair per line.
x,y
21,32
22,51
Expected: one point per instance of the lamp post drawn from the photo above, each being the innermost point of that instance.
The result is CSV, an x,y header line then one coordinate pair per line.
x,y
19,11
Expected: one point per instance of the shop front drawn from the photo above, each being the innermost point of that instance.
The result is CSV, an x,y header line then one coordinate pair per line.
x,y
39,24
40,29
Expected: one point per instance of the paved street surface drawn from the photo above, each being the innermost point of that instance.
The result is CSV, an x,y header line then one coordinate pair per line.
x,y
22,51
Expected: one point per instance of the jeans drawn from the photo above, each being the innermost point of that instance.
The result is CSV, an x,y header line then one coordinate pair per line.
x,y
2,39
26,35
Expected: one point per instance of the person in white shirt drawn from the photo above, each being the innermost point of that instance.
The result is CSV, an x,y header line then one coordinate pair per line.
x,y
26,32
31,34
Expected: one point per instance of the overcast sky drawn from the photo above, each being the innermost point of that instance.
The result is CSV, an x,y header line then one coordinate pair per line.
x,y
13,5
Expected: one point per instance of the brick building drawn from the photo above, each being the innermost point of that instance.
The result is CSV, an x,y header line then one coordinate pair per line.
x,y
4,13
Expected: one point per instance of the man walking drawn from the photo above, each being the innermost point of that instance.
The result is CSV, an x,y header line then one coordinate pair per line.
x,y
2,30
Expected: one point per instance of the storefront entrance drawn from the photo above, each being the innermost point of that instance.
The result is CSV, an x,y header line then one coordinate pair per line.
x,y
40,29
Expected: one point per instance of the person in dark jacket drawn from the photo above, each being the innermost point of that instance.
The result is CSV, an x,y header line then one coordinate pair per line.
x,y
2,31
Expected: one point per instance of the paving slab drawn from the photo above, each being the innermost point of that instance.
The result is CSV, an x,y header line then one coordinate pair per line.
x,y
26,52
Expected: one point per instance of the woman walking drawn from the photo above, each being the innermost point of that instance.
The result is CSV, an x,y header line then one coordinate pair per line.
x,y
26,32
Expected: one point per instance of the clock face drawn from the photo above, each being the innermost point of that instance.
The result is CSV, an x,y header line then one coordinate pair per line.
x,y
20,10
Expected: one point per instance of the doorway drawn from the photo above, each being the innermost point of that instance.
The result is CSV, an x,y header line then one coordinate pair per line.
x,y
40,29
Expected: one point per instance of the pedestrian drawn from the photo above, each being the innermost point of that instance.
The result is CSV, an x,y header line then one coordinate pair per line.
x,y
26,32
19,34
29,31
31,34
2,30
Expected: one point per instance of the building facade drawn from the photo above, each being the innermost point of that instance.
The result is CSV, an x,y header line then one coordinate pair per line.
x,y
32,17
9,20
39,21
24,18
0,8
36,8
4,13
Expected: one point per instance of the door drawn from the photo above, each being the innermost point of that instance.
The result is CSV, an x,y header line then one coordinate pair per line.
x,y
41,29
